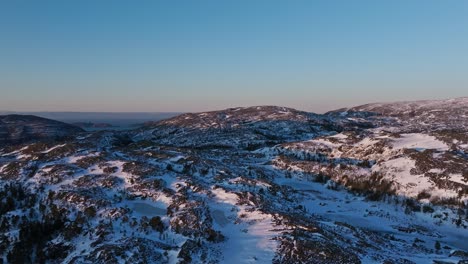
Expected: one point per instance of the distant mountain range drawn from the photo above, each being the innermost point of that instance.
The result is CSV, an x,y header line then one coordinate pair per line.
x,y
378,183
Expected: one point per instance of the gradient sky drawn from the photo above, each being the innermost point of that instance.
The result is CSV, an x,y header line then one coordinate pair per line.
x,y
210,54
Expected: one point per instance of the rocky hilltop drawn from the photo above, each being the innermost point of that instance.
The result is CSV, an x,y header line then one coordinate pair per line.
x,y
243,127
26,128
416,115
381,183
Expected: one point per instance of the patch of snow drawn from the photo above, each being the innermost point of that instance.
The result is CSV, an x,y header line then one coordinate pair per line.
x,y
52,148
419,141
148,208
177,158
340,136
436,170
366,142
458,178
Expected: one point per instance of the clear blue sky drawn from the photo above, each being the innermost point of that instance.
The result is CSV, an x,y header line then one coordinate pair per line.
x,y
200,55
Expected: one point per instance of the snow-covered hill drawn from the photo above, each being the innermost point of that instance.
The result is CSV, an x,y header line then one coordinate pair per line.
x,y
417,115
245,185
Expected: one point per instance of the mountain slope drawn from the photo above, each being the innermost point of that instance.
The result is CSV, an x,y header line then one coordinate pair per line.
x,y
23,128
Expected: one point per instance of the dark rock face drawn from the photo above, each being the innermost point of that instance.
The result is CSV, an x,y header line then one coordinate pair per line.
x,y
24,128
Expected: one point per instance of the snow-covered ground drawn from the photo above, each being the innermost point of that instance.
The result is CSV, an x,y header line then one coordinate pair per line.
x,y
340,206
249,233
